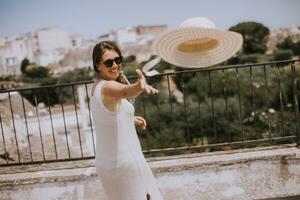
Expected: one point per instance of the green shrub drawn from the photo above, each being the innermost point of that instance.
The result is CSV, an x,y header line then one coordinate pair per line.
x,y
283,54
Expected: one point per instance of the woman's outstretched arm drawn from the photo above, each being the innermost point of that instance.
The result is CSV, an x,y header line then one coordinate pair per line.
x,y
120,91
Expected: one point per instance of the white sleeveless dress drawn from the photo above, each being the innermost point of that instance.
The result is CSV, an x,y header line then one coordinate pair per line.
x,y
120,163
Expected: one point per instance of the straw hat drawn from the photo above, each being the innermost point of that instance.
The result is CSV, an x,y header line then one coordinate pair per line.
x,y
196,43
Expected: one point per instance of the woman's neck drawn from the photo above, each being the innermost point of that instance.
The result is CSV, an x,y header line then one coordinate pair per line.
x,y
102,77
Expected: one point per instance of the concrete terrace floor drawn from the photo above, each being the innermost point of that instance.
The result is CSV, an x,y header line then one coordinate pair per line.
x,y
244,174
284,198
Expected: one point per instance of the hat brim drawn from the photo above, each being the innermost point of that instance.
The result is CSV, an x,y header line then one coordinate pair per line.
x,y
166,46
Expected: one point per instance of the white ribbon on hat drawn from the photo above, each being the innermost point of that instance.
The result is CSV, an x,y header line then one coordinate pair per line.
x,y
149,65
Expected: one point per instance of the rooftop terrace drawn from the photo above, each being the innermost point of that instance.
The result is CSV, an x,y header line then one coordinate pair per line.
x,y
230,129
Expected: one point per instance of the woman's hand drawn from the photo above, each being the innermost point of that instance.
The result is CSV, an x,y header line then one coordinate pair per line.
x,y
144,85
140,121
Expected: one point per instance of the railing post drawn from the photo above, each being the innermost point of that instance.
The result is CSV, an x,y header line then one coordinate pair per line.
x,y
294,79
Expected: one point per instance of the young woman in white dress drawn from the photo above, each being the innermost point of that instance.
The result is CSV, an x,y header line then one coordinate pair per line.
x,y
120,163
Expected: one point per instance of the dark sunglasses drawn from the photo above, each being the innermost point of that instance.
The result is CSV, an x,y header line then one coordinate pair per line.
x,y
110,62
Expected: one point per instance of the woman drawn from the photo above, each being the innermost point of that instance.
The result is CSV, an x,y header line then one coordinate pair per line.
x,y
120,163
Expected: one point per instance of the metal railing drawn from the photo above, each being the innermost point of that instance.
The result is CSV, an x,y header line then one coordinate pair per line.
x,y
264,80
205,109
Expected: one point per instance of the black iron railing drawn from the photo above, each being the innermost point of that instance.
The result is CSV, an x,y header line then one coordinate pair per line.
x,y
205,109
262,109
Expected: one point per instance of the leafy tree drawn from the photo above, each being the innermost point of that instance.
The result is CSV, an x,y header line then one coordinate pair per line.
x,y
25,62
249,58
129,68
54,95
76,75
289,44
129,59
285,54
255,36
37,72
49,96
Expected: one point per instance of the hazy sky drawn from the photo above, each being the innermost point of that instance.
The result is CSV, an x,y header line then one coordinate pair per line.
x,y
96,17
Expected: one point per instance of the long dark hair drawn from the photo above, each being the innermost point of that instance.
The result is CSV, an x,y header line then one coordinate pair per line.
x,y
98,52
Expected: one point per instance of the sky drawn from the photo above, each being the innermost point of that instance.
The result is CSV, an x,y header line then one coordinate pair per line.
x,y
96,17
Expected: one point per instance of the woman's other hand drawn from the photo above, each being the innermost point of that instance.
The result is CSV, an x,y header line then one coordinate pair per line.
x,y
140,121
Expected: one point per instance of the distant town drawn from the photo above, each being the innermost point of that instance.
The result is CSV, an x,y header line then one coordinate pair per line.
x,y
62,52
55,48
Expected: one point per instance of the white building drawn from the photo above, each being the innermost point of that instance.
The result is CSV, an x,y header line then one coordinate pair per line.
x,y
137,40
54,46
12,50
49,45
81,42
106,37
124,36
44,47
50,39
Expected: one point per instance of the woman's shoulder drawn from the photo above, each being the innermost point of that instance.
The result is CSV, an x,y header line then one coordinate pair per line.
x,y
97,84
105,87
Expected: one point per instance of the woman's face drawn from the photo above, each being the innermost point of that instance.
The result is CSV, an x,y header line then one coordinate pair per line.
x,y
110,73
